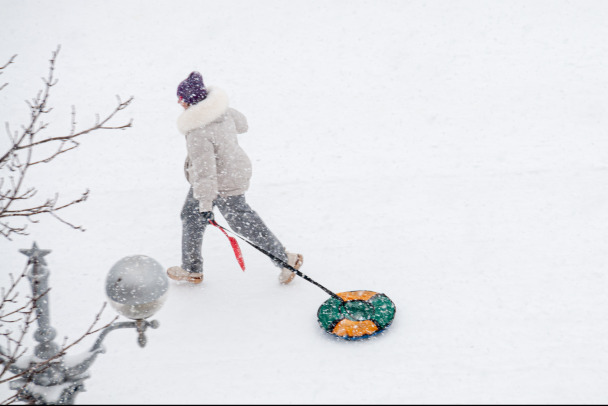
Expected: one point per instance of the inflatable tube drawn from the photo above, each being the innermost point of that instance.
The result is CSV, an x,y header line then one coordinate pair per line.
x,y
360,314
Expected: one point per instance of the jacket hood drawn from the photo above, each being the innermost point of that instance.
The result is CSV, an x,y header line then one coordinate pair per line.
x,y
203,112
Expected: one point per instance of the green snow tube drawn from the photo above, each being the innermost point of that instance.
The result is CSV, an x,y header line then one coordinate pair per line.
x,y
360,314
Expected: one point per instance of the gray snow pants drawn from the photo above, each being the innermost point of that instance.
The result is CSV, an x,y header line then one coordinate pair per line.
x,y
241,219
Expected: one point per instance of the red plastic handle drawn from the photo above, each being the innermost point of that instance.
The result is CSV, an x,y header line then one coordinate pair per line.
x,y
235,246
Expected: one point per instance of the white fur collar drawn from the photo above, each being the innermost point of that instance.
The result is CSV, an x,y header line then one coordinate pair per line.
x,y
203,112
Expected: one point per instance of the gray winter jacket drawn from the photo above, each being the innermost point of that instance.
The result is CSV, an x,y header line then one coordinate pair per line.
x,y
216,165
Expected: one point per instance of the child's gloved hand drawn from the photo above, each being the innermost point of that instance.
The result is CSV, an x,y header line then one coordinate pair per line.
x,y
207,215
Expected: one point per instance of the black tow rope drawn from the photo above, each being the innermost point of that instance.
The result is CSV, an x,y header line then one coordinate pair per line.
x,y
239,257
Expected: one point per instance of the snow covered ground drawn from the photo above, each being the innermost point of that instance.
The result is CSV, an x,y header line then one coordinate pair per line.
x,y
450,154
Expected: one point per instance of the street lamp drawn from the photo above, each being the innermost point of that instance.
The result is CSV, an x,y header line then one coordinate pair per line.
x,y
136,286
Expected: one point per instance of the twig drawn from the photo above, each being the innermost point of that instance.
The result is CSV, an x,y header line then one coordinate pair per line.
x,y
18,157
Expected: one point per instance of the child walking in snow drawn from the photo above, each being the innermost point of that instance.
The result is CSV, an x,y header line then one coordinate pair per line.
x,y
218,171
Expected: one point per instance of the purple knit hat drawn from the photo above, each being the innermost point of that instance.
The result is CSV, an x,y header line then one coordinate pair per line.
x,y
192,90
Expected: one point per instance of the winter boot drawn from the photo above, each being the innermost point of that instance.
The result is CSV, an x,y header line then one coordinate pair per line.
x,y
177,273
295,261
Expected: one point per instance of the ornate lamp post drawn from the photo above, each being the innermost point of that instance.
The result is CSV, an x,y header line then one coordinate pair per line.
x,y
137,287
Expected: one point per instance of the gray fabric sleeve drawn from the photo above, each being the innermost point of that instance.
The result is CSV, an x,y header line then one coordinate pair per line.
x,y
202,172
239,120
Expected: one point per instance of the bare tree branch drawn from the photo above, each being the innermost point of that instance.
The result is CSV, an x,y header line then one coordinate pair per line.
x,y
24,315
16,199
40,366
4,66
9,62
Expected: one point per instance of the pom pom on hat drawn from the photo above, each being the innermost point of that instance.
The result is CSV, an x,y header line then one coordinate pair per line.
x,y
192,90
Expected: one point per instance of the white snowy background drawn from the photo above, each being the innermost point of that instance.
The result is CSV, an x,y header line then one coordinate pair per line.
x,y
450,154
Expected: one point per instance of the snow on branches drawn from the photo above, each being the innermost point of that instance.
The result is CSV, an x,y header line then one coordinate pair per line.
x,y
18,202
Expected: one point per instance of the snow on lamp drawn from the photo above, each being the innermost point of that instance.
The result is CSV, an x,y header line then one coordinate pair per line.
x,y
137,286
